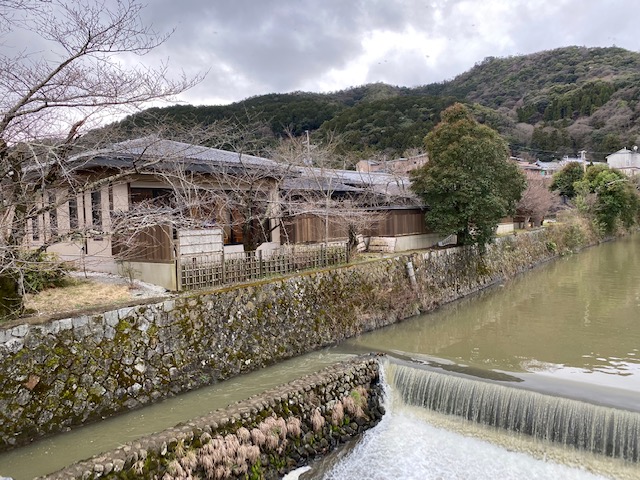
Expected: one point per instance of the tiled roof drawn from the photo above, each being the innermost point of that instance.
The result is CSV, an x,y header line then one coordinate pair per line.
x,y
201,159
311,178
195,158
155,147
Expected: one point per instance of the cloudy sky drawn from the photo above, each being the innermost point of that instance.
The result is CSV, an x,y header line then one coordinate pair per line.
x,y
253,47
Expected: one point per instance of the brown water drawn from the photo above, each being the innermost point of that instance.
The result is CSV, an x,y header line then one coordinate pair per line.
x,y
575,321
571,327
53,453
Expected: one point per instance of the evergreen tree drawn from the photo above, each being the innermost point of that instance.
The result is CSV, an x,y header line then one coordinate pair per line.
x,y
469,184
609,197
564,180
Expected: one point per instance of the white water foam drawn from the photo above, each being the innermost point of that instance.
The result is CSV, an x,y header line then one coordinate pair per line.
x,y
414,443
406,447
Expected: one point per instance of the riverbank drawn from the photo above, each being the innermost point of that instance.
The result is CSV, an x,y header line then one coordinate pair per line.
x,y
264,436
71,371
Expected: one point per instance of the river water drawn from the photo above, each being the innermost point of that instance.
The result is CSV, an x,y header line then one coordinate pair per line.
x,y
570,328
568,331
575,319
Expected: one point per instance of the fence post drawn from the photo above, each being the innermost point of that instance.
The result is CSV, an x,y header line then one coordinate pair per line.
x,y
178,273
224,268
291,263
260,266
324,254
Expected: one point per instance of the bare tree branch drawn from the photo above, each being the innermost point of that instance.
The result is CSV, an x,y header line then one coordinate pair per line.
x,y
348,202
74,78
536,200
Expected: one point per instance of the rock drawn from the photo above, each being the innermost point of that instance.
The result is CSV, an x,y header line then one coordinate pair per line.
x,y
118,465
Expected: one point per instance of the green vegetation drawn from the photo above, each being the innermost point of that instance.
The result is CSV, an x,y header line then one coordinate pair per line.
x,y
574,98
609,198
469,183
294,112
43,270
565,179
606,197
390,126
37,271
10,297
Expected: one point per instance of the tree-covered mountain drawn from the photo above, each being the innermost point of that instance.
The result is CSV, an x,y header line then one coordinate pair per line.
x,y
547,105
562,100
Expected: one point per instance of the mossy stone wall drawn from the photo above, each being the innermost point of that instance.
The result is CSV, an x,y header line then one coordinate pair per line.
x,y
262,437
66,372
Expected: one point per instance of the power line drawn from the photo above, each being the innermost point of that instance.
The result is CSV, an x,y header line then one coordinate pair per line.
x,y
539,150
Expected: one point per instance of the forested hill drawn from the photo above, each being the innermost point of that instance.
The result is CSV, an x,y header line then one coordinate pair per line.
x,y
546,104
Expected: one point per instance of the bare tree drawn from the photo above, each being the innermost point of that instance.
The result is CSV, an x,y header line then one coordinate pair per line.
x,y
349,203
536,200
239,195
49,97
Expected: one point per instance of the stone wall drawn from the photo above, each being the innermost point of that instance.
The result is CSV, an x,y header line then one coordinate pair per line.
x,y
262,437
66,372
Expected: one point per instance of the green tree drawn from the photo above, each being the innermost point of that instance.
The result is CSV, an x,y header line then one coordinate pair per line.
x,y
469,183
564,180
609,197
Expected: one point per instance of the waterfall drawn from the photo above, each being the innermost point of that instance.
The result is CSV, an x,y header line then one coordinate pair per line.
x,y
585,426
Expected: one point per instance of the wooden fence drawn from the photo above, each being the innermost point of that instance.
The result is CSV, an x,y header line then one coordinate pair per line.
x,y
221,269
152,244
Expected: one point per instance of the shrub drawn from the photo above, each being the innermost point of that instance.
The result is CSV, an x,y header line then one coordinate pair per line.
x,y
571,234
43,270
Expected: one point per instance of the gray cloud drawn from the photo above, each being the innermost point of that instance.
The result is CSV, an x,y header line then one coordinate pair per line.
x,y
271,45
252,47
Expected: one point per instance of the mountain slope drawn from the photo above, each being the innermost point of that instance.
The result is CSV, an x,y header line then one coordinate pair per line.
x,y
546,104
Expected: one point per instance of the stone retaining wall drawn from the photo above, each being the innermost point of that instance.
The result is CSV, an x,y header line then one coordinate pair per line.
x,y
63,373
262,437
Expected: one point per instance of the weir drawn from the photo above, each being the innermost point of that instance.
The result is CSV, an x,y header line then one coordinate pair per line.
x,y
593,428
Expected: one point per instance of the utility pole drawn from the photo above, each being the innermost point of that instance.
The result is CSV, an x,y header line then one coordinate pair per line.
x,y
308,148
583,159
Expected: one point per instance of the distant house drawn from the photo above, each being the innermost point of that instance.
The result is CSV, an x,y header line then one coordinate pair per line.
x,y
547,169
627,161
528,166
400,166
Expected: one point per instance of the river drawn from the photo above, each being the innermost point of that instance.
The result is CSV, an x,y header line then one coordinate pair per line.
x,y
570,328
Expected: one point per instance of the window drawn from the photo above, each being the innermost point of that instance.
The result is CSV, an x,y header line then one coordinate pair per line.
x,y
35,228
156,196
232,222
110,198
73,213
96,209
53,214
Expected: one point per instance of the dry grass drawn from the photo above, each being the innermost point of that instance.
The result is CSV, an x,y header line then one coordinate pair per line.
x,y
79,295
